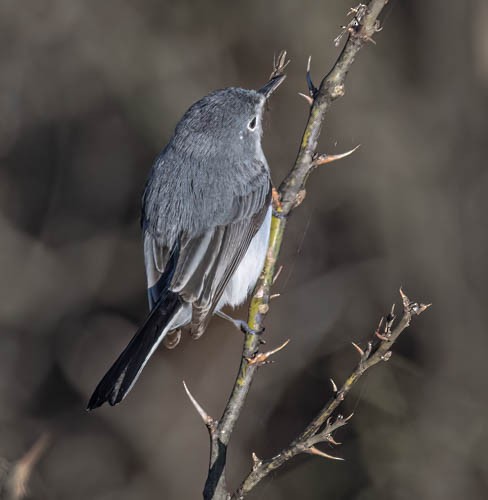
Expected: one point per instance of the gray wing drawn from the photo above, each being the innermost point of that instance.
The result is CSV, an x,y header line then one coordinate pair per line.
x,y
206,263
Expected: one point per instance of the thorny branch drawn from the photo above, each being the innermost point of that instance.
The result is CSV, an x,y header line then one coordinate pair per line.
x,y
359,31
322,427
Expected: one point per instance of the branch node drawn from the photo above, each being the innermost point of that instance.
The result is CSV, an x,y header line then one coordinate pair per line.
x,y
334,386
312,89
207,419
386,356
276,199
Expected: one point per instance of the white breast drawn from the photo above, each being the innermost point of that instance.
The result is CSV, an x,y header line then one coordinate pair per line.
x,y
246,275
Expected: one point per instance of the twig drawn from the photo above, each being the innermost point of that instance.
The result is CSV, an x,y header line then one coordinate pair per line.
x,y
18,476
207,419
323,425
291,192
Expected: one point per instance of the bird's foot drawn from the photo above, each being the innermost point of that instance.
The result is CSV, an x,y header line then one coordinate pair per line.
x,y
239,324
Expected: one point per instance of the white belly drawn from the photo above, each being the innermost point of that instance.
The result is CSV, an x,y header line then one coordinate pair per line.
x,y
246,275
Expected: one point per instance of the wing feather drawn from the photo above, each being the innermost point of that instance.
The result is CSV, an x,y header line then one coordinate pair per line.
x,y
207,262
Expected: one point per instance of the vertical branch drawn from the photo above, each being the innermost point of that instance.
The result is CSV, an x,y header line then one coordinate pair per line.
x,y
291,192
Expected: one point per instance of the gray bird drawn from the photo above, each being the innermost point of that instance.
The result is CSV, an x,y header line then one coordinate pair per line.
x,y
206,214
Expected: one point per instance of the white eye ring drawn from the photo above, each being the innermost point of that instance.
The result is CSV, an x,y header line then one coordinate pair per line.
x,y
252,124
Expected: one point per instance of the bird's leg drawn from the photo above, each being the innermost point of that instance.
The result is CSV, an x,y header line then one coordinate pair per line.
x,y
239,324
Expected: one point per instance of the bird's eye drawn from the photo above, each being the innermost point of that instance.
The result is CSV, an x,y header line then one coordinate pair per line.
x,y
252,124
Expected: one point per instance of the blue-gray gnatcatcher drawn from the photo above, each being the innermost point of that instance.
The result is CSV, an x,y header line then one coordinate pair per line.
x,y
206,218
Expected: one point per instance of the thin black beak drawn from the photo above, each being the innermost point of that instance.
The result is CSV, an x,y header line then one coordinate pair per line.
x,y
271,86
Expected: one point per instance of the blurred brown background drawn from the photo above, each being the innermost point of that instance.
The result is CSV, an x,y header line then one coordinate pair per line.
x,y
90,92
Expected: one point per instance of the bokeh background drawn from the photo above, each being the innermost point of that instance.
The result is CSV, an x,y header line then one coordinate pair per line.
x,y
90,92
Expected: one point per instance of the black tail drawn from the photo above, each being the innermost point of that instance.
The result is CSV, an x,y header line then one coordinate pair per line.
x,y
118,381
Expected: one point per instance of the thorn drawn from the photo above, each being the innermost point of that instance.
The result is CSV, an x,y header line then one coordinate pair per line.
x,y
323,159
377,332
207,420
358,349
256,461
274,296
300,197
315,451
262,358
422,308
338,38
412,307
334,386
380,323
381,337
311,87
307,98
349,417
405,299
276,276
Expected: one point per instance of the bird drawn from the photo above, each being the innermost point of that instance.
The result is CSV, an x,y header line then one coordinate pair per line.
x,y
206,215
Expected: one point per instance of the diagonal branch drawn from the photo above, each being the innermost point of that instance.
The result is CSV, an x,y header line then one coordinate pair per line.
x,y
321,428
